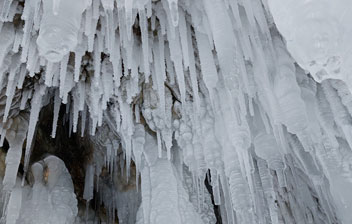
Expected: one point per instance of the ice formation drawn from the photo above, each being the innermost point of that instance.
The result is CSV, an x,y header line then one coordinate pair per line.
x,y
49,200
239,105
319,39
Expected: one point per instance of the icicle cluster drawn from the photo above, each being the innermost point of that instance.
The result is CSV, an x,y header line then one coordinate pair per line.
x,y
207,84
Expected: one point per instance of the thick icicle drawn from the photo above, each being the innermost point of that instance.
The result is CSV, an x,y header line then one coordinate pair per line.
x,y
267,148
207,63
57,104
59,29
36,103
15,135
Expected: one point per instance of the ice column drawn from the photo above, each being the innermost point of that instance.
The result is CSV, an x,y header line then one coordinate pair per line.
x,y
61,191
39,201
59,28
164,198
14,204
15,135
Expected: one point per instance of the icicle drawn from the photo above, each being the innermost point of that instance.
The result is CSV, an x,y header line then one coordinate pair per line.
x,y
173,7
56,78
6,4
53,43
344,93
15,136
127,132
176,57
25,96
145,42
56,5
89,183
78,58
216,188
220,23
82,94
192,71
341,115
11,86
117,119
63,72
137,114
138,141
268,190
3,135
226,198
57,104
207,63
49,74
12,11
32,60
69,84
116,63
129,19
158,137
110,28
17,41
183,28
160,78
36,104
267,148
153,21
70,123
83,121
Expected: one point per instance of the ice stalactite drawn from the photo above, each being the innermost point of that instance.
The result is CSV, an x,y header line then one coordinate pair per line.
x,y
36,104
59,28
15,135
163,193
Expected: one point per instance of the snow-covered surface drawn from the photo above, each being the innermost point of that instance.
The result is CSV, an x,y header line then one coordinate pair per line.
x,y
237,92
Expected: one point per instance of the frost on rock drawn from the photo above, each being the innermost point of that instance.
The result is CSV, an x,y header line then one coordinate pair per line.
x,y
185,111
